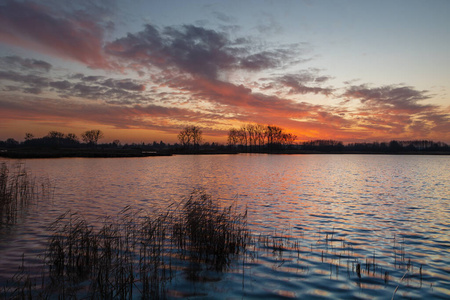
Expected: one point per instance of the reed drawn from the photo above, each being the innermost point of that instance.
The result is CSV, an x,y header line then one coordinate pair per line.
x,y
132,254
18,189
209,233
137,254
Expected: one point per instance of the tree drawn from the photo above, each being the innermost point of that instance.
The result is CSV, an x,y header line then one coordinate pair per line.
x,y
116,143
92,136
28,136
243,136
12,142
288,139
184,137
196,136
190,134
55,135
233,137
274,137
72,137
260,134
251,131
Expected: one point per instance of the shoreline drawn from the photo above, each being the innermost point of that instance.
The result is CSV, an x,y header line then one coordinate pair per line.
x,y
66,153
123,153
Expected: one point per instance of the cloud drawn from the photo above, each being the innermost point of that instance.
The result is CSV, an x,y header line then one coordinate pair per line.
x,y
17,78
187,76
149,116
72,36
242,103
123,91
397,111
28,83
124,84
392,98
196,51
297,84
60,85
16,62
304,82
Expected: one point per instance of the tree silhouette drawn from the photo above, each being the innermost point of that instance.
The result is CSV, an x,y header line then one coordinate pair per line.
x,y
233,137
72,137
55,134
92,136
251,136
190,134
28,136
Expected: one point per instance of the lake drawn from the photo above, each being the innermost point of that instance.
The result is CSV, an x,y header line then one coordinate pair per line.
x,y
387,214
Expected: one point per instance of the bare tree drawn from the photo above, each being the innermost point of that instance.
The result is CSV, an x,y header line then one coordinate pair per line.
x,y
72,137
253,135
184,137
233,137
92,136
243,138
197,137
116,143
28,136
190,134
251,132
55,135
288,139
260,134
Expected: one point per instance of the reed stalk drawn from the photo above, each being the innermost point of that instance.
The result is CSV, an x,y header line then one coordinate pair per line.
x,y
131,255
18,189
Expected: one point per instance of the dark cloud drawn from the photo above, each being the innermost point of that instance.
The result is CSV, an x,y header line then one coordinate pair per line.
x,y
197,51
296,84
393,98
32,90
91,78
60,85
78,85
305,82
264,60
29,83
125,84
16,62
322,79
123,91
17,77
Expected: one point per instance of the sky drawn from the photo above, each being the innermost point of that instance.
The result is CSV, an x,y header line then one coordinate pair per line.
x,y
142,70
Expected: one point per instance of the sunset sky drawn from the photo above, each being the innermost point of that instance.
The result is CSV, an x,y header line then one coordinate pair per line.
x,y
141,70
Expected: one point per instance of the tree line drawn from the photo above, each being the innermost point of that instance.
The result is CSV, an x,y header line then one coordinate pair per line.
x,y
252,137
247,138
58,139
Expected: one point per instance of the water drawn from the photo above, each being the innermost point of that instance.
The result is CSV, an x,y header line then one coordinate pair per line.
x,y
330,212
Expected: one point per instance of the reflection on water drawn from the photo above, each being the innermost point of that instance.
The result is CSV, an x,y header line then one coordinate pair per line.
x,y
321,215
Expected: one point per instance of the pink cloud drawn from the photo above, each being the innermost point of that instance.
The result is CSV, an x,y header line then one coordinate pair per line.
x,y
34,26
